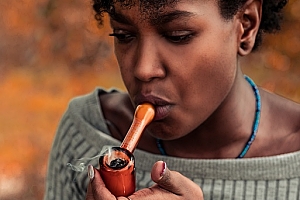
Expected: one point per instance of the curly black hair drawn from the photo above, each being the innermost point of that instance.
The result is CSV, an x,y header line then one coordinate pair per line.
x,y
271,13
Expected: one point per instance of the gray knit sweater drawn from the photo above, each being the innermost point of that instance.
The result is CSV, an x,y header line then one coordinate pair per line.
x,y
82,133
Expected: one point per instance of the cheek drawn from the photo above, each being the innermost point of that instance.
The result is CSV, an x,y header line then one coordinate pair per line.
x,y
124,62
206,81
208,71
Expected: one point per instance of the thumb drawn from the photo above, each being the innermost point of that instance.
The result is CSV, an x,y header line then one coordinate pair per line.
x,y
166,179
174,182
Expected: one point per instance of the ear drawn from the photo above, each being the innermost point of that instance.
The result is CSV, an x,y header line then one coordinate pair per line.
x,y
250,16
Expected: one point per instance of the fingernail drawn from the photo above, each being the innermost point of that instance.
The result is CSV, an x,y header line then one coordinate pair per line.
x,y
91,172
164,167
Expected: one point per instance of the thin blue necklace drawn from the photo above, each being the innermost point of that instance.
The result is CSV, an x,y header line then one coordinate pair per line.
x,y
254,127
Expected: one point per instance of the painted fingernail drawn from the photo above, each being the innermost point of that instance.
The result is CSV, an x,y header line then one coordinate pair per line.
x,y
91,172
164,167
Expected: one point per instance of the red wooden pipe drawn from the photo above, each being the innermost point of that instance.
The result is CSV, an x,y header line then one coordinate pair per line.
x,y
117,166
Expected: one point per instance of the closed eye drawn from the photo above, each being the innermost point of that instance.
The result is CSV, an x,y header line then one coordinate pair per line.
x,y
179,37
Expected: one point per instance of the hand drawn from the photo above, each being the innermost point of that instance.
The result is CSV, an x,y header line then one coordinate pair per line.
x,y
169,185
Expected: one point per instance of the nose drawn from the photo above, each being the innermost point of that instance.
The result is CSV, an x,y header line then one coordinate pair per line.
x,y
149,64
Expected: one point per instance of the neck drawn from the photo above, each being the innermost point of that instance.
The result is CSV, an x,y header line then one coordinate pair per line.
x,y
225,133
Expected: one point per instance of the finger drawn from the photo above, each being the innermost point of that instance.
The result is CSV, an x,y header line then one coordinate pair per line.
x,y
96,189
174,181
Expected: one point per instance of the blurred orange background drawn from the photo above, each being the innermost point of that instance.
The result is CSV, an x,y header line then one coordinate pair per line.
x,y
52,51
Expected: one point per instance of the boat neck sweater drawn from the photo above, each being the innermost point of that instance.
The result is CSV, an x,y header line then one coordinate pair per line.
x,y
82,133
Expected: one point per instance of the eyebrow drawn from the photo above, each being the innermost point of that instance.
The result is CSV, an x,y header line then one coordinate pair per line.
x,y
160,19
168,17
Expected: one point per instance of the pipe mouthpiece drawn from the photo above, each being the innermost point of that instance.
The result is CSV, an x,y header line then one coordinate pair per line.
x,y
145,112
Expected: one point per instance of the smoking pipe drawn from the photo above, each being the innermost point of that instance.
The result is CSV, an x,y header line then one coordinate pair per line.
x,y
117,167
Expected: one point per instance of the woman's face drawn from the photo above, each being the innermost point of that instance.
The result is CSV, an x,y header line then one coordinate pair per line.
x,y
184,62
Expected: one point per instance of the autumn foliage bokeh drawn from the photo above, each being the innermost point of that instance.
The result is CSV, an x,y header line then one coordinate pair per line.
x,y
52,50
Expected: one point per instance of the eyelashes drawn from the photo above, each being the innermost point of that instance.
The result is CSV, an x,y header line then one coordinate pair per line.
x,y
179,39
176,37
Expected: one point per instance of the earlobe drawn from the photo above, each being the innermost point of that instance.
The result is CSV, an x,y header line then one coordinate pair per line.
x,y
250,16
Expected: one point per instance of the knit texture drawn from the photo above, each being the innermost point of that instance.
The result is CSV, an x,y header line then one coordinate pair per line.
x,y
82,133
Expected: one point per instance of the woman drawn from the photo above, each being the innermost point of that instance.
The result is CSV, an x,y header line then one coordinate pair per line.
x,y
212,124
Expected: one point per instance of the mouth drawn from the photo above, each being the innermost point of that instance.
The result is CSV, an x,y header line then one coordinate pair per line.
x,y
162,107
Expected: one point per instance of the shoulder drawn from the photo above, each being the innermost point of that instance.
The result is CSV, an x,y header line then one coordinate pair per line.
x,y
282,126
89,100
100,101
283,109
89,111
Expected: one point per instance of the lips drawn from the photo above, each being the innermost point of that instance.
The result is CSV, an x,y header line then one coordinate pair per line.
x,y
162,107
161,112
